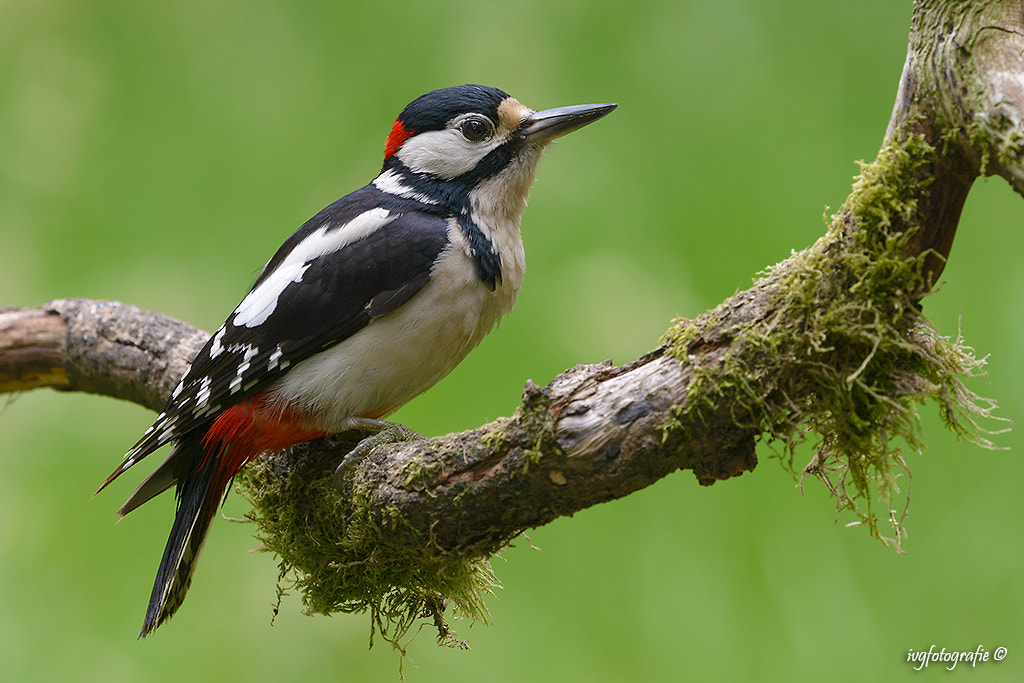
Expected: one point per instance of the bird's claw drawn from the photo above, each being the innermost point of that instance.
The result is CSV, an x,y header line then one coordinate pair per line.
x,y
380,432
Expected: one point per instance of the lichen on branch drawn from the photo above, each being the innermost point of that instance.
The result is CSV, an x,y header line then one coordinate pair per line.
x,y
842,349
332,553
831,342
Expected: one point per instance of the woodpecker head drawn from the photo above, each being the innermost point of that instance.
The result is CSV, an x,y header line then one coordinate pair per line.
x,y
471,145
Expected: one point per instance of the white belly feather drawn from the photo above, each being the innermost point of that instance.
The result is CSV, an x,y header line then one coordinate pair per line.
x,y
405,352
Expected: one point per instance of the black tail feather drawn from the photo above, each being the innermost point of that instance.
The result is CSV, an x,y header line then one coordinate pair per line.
x,y
197,505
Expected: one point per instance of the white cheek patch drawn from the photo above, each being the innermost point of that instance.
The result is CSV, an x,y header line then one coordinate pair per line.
x,y
261,302
444,153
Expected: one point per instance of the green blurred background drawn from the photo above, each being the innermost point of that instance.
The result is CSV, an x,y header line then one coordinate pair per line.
x,y
157,153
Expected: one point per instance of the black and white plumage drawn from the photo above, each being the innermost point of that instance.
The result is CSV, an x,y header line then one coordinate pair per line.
x,y
372,301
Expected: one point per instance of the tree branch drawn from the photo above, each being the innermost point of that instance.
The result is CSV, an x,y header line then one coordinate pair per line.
x,y
830,341
99,347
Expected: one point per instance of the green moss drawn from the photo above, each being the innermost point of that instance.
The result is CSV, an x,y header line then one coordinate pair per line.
x,y
341,562
843,349
1012,149
829,342
417,475
495,438
343,559
533,417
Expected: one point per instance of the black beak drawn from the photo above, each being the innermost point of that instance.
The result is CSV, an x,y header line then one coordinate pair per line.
x,y
544,126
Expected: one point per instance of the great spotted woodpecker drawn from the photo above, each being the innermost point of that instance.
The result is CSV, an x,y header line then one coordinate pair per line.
x,y
372,301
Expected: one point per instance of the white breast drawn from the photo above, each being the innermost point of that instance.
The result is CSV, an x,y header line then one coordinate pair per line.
x,y
401,354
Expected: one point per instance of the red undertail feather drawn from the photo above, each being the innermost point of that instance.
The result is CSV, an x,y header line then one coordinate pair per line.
x,y
203,466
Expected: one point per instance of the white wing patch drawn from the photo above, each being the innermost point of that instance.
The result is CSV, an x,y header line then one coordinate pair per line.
x,y
215,348
249,353
262,300
257,306
203,395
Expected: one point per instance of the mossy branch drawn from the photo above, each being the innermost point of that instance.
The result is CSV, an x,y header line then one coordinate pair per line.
x,y
831,341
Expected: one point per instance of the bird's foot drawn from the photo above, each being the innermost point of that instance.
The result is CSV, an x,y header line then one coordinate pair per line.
x,y
379,432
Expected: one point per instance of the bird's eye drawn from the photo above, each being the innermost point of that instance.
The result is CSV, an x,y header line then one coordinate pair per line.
x,y
475,129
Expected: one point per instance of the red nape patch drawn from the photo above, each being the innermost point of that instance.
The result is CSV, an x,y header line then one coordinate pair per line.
x,y
399,134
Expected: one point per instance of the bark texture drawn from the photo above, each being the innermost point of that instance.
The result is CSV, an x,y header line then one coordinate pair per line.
x,y
830,341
